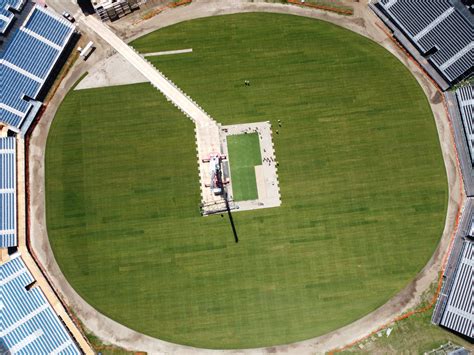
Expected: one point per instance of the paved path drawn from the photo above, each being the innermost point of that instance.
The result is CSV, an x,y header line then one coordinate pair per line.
x,y
156,78
364,22
207,130
116,70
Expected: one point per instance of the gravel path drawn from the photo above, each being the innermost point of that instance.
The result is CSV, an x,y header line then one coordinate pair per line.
x,y
364,22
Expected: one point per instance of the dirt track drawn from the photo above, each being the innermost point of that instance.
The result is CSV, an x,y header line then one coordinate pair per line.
x,y
364,22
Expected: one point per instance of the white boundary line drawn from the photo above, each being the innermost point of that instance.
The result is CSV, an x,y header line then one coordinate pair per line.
x,y
178,51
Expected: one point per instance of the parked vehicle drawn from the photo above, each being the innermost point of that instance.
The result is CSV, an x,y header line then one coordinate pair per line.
x,y
87,50
68,17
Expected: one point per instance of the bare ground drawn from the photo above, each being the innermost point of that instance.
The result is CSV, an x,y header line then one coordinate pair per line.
x,y
114,70
364,22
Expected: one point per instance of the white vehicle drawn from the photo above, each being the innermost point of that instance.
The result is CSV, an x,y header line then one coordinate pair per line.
x,y
87,50
68,16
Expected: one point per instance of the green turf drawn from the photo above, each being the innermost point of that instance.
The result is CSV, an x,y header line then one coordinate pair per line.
x,y
413,335
361,177
244,155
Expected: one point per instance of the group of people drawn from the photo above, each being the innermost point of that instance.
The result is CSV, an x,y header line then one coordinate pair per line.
x,y
269,161
249,129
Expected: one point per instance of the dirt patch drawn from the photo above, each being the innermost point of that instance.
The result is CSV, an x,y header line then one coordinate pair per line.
x,y
436,98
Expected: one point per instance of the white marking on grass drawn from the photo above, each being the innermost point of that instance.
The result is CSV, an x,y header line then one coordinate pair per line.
x,y
178,51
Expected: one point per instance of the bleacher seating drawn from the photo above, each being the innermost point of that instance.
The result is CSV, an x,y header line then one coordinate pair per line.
x,y
28,60
43,34
465,97
19,54
6,16
414,16
438,28
29,324
458,315
14,107
7,192
54,29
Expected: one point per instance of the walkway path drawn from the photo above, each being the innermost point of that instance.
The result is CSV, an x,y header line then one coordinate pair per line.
x,y
207,130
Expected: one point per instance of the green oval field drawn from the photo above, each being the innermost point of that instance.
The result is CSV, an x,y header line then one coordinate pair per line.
x,y
361,175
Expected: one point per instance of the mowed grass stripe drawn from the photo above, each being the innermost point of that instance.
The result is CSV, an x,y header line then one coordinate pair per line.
x,y
244,155
361,176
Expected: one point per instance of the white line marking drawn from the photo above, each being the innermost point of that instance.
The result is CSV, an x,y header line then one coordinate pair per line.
x,y
434,23
390,4
21,71
468,262
40,38
460,312
4,18
178,51
6,232
61,347
24,320
11,109
457,56
469,102
26,341
12,277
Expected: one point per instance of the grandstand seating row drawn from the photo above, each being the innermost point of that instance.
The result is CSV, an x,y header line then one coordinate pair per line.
x,y
414,16
53,28
459,312
28,60
6,16
19,53
7,192
465,97
29,324
13,101
437,28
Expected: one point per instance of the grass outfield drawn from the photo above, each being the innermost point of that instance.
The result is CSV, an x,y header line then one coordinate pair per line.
x,y
244,155
363,186
415,333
